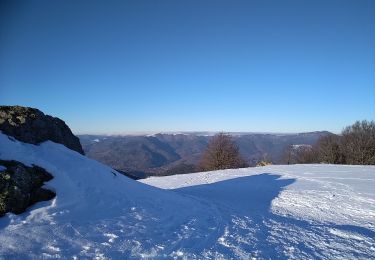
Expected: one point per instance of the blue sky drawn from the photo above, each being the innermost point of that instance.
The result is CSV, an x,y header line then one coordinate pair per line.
x,y
129,66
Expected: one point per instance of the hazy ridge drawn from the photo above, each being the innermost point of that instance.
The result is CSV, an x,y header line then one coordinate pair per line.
x,y
159,154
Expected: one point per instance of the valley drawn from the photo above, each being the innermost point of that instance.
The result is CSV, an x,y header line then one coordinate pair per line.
x,y
166,154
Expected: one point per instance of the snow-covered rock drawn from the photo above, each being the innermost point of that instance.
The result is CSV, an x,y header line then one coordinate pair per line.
x,y
297,212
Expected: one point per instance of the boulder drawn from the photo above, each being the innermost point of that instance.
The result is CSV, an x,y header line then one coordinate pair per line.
x,y
30,125
21,186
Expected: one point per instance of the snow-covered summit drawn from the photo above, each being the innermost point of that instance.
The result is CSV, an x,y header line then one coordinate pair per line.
x,y
297,212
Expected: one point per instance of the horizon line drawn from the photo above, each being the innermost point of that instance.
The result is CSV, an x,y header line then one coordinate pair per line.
x,y
150,133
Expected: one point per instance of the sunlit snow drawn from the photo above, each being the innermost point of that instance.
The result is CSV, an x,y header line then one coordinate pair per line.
x,y
296,212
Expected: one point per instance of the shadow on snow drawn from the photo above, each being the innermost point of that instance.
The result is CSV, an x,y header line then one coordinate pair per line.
x,y
251,229
250,194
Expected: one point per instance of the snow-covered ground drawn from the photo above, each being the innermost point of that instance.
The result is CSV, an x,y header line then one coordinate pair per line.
x,y
297,212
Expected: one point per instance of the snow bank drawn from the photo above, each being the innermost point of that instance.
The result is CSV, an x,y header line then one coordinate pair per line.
x,y
97,211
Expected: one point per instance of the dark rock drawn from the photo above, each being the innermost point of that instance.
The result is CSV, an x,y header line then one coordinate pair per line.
x,y
30,125
21,187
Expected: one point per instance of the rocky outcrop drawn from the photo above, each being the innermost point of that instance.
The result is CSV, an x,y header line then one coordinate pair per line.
x,y
20,186
30,125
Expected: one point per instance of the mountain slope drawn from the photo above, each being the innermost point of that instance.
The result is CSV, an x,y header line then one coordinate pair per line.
x,y
296,212
159,154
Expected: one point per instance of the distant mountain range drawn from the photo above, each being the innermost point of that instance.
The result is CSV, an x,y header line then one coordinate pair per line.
x,y
170,153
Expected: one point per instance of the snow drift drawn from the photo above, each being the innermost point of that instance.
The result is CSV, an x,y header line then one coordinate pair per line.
x,y
302,211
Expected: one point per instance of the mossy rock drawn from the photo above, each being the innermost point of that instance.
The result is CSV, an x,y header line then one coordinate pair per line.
x,y
30,125
21,187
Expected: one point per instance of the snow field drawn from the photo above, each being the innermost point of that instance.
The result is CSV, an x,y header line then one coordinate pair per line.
x,y
296,212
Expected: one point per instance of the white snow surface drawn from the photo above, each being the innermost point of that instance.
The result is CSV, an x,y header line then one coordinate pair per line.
x,y
295,212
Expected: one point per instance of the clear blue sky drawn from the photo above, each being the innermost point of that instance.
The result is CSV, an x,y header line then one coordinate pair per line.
x,y
124,66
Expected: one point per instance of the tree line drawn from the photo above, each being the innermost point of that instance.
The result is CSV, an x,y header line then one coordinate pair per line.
x,y
355,145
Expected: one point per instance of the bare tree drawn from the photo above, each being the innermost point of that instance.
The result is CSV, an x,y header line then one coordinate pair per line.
x,y
358,143
355,145
306,154
328,149
296,153
287,154
221,153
